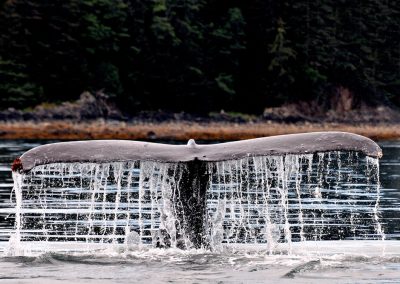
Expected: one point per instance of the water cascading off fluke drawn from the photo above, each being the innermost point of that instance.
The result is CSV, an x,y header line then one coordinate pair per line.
x,y
267,190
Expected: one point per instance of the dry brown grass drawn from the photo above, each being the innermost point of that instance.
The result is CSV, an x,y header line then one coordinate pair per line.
x,y
180,130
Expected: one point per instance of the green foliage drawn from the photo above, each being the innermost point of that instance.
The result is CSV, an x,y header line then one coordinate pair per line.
x,y
283,57
198,55
161,27
106,77
16,88
225,83
281,53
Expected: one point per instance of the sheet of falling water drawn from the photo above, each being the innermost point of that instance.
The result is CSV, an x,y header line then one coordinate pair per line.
x,y
353,258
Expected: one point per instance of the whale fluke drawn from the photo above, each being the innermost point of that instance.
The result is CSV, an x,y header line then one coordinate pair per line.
x,y
101,151
199,196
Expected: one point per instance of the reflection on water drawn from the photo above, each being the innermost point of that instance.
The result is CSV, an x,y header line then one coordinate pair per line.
x,y
390,180
353,260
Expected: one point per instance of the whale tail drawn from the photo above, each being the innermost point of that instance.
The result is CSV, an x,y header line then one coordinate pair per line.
x,y
266,190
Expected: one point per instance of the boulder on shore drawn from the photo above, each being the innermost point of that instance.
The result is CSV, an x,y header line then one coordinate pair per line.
x,y
88,106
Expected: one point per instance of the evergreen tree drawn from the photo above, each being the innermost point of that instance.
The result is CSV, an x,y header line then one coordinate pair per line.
x,y
199,55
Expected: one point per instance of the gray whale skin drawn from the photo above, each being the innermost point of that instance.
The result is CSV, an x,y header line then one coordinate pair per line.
x,y
193,177
101,151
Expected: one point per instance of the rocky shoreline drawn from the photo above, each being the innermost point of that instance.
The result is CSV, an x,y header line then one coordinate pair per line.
x,y
94,116
180,131
93,107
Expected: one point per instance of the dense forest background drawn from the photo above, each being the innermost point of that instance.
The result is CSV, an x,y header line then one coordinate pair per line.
x,y
199,55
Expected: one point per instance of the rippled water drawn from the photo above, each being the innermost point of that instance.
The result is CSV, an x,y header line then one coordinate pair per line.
x,y
333,261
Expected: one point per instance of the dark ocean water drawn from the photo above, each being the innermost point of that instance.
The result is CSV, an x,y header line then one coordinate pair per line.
x,y
334,262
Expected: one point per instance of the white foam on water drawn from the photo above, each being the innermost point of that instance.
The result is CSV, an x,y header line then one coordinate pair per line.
x,y
309,262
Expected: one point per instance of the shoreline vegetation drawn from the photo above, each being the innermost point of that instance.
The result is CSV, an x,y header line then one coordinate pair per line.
x,y
201,56
94,117
208,70
182,130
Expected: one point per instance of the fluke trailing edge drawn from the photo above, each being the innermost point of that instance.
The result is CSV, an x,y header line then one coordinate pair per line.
x,y
199,196
101,151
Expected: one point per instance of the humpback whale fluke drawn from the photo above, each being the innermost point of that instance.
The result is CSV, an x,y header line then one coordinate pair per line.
x,y
100,151
199,196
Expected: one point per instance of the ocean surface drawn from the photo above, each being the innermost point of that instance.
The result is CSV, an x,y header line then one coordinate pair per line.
x,y
346,261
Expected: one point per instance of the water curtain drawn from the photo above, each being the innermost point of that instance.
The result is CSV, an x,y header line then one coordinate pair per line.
x,y
269,191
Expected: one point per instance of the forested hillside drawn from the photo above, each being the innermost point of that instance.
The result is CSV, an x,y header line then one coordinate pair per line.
x,y
199,55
